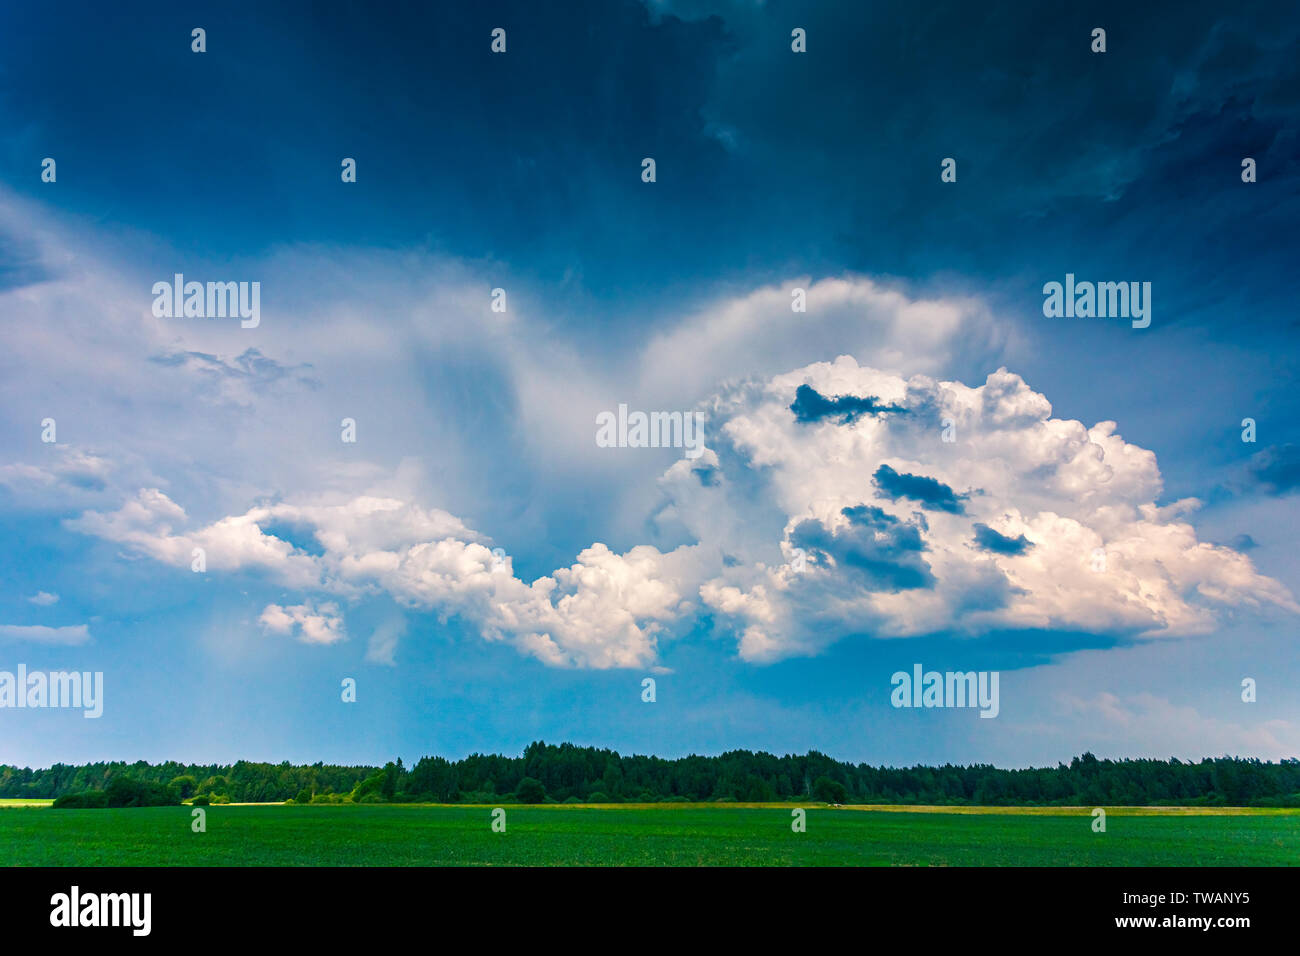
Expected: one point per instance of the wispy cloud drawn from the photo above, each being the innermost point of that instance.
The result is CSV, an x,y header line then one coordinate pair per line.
x,y
40,634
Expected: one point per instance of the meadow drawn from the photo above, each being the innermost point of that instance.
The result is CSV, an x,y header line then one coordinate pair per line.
x,y
646,835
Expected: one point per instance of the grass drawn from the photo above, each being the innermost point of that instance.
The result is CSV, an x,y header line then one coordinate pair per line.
x,y
23,802
652,835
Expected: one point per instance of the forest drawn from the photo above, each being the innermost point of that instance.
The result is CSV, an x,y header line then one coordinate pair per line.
x,y
566,773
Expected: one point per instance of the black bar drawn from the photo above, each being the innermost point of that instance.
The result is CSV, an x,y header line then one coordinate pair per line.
x,y
334,906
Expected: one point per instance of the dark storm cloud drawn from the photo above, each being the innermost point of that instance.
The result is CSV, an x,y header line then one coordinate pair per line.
x,y
928,492
884,552
1276,470
998,543
811,406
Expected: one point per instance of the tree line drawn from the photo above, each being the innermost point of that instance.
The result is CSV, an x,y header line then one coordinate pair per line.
x,y
571,774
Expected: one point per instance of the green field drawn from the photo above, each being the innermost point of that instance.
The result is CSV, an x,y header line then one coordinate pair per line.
x,y
655,835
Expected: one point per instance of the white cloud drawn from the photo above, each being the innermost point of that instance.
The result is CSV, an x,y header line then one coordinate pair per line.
x,y
766,483
43,599
61,476
147,523
905,568
219,416
1112,723
605,610
40,634
312,624
757,335
382,647
883,561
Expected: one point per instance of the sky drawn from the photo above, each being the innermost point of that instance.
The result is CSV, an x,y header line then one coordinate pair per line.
x,y
921,466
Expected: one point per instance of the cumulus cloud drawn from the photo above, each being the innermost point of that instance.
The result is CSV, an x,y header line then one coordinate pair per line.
x,y
310,623
152,524
43,599
756,335
605,610
882,549
510,397
905,533
1060,529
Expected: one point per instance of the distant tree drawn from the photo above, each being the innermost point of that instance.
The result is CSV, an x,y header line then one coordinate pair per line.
x,y
86,800
125,792
216,783
121,792
530,791
829,791
758,790
370,790
598,775
392,773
